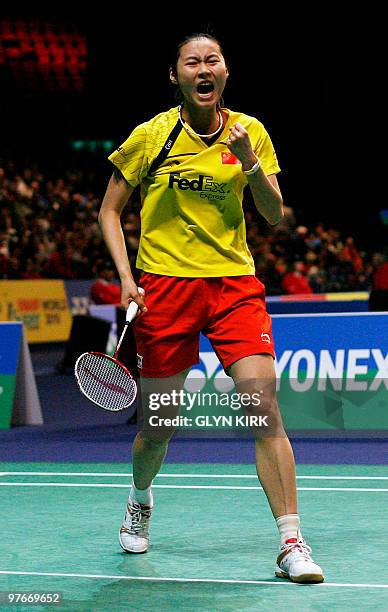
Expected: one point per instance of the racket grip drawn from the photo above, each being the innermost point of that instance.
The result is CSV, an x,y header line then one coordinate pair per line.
x,y
133,308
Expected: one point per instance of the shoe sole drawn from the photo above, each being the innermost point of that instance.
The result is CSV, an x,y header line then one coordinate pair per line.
x,y
132,552
302,579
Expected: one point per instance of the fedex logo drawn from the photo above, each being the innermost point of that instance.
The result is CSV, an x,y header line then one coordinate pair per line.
x,y
202,183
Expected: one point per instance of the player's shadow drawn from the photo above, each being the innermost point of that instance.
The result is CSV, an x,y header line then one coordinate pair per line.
x,y
155,594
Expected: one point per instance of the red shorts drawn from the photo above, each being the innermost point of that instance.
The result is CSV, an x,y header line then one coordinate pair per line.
x,y
229,310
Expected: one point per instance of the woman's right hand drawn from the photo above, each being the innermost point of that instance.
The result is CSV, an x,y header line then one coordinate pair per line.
x,y
129,292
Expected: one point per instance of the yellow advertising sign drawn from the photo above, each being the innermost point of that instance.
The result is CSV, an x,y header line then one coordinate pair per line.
x,y
40,304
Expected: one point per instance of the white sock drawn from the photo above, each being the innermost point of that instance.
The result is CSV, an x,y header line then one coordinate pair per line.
x,y
288,526
142,496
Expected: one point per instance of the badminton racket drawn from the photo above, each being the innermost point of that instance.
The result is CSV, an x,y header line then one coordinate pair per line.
x,y
103,379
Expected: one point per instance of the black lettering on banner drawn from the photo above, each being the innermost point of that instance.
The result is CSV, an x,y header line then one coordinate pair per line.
x,y
52,318
54,305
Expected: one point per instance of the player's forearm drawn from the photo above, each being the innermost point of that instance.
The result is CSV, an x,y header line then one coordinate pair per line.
x,y
267,198
112,232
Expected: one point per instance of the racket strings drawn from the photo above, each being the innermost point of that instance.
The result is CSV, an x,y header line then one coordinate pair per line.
x,y
105,381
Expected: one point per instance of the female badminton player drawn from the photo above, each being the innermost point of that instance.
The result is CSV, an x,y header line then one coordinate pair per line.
x,y
193,163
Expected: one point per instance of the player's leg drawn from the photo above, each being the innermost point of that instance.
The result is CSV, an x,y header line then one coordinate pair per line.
x,y
167,341
148,452
240,331
151,443
275,465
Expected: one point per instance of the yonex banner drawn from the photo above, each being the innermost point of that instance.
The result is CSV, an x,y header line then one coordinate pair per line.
x,y
19,402
332,372
40,304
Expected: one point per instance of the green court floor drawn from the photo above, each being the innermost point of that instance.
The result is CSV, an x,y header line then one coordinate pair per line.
x,y
214,542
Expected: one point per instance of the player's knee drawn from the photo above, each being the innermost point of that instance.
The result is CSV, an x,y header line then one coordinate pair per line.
x,y
258,397
264,416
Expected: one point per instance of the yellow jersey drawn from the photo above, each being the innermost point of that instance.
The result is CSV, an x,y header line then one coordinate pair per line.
x,y
192,221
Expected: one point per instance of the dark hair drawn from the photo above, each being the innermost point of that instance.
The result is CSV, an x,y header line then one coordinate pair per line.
x,y
102,265
187,39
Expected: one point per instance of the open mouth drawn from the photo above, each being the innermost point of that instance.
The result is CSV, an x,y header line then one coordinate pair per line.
x,y
206,87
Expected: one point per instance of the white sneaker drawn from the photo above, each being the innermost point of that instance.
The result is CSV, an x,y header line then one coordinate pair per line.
x,y
134,532
294,562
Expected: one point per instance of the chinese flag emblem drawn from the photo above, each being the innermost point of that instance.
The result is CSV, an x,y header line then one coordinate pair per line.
x,y
227,157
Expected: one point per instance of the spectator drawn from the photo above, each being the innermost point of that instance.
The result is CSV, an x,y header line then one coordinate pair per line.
x,y
59,264
350,253
317,279
104,290
378,299
299,245
295,282
30,269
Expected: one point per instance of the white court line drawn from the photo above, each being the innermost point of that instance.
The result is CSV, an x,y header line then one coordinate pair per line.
x,y
203,580
211,487
125,475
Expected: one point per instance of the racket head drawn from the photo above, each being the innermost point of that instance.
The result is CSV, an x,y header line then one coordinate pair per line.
x,y
105,381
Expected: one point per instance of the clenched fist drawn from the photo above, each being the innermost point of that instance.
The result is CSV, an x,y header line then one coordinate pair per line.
x,y
239,143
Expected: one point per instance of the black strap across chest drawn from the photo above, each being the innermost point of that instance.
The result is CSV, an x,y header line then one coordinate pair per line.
x,y
171,138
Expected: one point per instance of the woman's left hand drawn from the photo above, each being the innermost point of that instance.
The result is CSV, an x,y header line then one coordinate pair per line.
x,y
239,143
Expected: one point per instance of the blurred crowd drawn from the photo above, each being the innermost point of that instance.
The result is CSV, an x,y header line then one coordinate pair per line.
x,y
49,229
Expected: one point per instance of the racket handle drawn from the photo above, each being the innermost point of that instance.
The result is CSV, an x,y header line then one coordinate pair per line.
x,y
133,308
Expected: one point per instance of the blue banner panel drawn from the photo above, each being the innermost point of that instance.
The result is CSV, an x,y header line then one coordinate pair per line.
x,y
278,307
330,331
332,370
78,295
10,336
10,342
